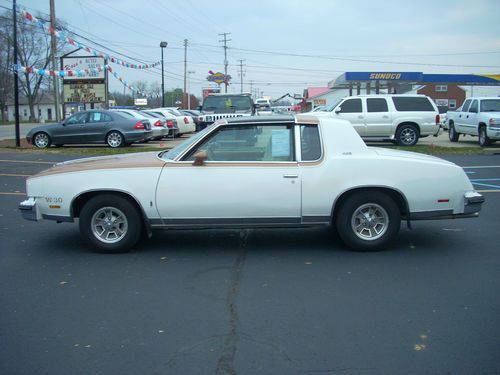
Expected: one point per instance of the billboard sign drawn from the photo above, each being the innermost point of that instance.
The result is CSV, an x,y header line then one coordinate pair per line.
x,y
84,91
85,64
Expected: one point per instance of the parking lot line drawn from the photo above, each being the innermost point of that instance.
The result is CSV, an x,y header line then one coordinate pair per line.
x,y
15,175
482,166
488,191
11,193
27,161
486,185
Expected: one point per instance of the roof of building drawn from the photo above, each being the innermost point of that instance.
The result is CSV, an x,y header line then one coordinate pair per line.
x,y
44,98
312,92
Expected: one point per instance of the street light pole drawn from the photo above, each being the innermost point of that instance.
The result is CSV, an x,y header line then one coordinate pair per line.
x,y
162,46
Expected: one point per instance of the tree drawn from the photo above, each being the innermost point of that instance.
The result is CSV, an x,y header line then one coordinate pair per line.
x,y
33,46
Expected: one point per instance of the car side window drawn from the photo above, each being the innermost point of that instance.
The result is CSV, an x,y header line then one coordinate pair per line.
x,y
310,143
77,118
473,106
249,143
465,106
99,117
351,106
377,105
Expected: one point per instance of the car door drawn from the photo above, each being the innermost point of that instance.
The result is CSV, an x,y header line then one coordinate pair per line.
x,y
352,111
97,126
71,129
470,121
461,116
378,118
251,176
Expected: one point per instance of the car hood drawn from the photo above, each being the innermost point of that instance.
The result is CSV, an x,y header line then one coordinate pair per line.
x,y
136,160
409,155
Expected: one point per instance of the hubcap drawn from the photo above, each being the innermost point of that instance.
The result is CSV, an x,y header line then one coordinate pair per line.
x,y
109,225
408,136
41,140
370,221
114,139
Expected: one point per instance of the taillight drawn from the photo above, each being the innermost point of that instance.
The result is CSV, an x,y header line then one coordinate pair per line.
x,y
186,120
158,123
139,125
437,119
170,123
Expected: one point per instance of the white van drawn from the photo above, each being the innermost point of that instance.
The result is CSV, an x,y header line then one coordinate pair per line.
x,y
399,118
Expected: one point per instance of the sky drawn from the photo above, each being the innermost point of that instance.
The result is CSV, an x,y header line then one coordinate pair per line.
x,y
286,46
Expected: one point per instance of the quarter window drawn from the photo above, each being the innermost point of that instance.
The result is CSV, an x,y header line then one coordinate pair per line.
x,y
351,106
249,143
415,103
310,143
377,105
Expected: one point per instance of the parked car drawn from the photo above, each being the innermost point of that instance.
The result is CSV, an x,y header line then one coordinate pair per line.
x,y
279,171
399,118
221,106
95,126
194,114
170,119
184,123
477,116
158,126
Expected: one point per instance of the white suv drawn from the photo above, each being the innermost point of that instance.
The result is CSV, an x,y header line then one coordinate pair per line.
x,y
399,118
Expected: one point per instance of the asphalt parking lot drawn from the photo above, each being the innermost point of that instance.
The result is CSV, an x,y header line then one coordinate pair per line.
x,y
250,301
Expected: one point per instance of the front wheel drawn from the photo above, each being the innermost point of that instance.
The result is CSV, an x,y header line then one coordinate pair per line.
x,y
484,140
368,221
115,139
407,135
452,133
41,140
111,223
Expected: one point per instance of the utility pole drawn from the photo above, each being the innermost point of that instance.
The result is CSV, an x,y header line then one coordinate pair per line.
x,y
16,70
251,88
241,75
225,40
185,70
53,51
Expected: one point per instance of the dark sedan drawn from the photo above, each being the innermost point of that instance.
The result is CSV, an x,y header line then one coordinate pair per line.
x,y
96,126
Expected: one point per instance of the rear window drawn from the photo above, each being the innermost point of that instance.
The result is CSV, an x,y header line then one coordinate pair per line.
x,y
407,104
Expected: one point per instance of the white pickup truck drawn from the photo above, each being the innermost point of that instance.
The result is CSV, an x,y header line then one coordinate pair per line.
x,y
477,116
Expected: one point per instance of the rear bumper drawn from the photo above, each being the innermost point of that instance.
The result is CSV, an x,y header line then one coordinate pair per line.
x,y
473,203
138,136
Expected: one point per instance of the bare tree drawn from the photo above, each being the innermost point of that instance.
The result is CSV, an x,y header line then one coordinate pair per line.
x,y
6,71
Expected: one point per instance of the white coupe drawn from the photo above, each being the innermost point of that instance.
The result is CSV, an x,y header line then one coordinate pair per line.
x,y
279,171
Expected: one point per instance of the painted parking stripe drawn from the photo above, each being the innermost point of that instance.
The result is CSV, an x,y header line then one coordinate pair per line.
x,y
488,191
27,161
485,179
11,193
482,166
486,185
15,175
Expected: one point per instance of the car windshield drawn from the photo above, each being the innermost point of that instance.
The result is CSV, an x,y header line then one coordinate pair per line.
x,y
179,149
332,106
227,103
490,105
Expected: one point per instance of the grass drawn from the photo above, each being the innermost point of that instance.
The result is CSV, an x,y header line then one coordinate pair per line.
x,y
440,150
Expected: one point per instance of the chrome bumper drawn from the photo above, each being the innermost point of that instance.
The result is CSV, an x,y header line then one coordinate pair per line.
x,y
28,209
473,201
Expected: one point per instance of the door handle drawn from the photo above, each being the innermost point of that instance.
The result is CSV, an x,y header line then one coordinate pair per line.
x,y
290,176
385,116
360,116
460,116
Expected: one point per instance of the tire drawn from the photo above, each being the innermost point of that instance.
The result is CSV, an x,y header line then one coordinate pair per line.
x,y
115,139
452,133
110,223
41,140
372,233
484,140
407,135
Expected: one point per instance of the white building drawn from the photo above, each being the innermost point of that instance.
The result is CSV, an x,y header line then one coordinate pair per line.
x,y
44,109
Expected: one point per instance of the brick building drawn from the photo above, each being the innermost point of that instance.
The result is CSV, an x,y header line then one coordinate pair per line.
x,y
446,96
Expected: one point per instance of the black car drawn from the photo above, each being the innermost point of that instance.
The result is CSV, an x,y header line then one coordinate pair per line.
x,y
95,126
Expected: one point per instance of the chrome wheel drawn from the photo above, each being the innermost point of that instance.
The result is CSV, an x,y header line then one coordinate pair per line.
x,y
41,140
408,136
370,221
109,224
114,139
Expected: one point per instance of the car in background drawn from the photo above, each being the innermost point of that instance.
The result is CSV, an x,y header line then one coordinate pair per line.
x,y
94,126
222,106
157,125
402,119
170,120
275,172
194,114
184,123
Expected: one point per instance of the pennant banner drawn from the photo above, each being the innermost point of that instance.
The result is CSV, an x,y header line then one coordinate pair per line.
x,y
82,73
64,37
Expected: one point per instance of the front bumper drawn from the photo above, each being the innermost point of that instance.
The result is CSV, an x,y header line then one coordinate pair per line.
x,y
28,210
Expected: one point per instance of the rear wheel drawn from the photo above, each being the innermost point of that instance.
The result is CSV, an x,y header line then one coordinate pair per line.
x,y
407,135
452,133
368,221
115,139
111,223
484,140
41,140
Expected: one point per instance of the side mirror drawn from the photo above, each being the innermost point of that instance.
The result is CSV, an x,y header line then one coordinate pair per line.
x,y
199,108
200,158
63,123
337,110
